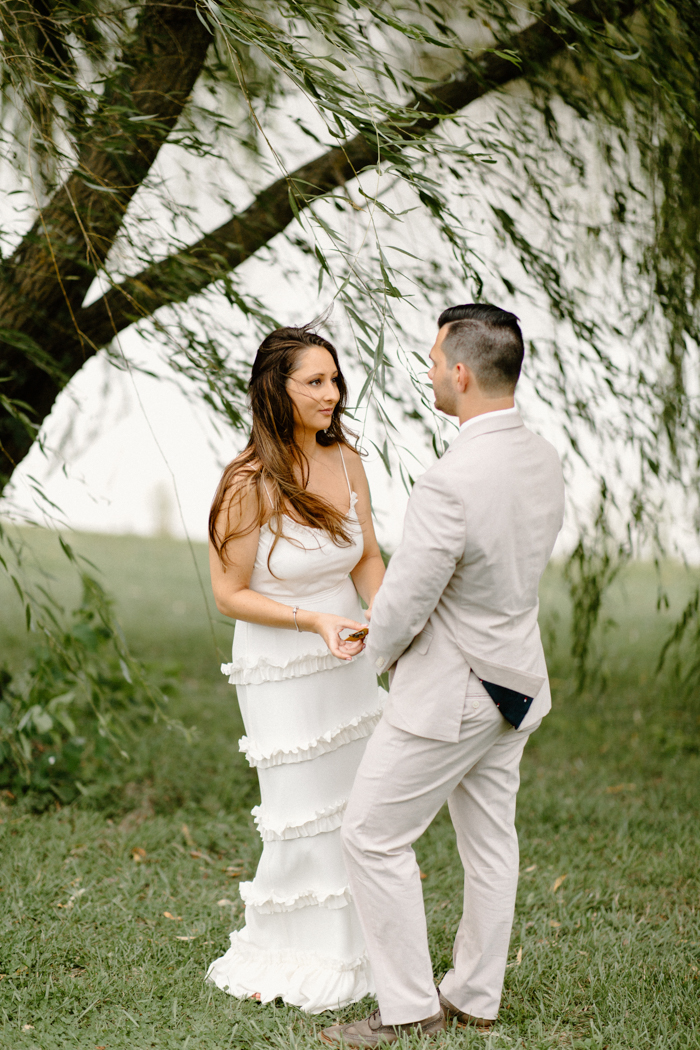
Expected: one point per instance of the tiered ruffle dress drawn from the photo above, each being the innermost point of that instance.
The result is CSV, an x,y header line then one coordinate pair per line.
x,y
307,718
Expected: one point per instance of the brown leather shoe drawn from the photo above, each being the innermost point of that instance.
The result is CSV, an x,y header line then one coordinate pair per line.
x,y
464,1020
371,1031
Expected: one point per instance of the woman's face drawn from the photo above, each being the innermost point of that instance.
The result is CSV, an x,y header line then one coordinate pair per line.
x,y
313,389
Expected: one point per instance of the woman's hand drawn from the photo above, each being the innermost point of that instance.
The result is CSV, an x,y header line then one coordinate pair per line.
x,y
329,626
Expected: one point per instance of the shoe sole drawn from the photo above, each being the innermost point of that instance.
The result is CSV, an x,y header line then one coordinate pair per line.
x,y
472,1027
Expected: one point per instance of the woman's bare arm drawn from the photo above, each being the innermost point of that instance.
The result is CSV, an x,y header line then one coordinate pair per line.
x,y
230,580
369,571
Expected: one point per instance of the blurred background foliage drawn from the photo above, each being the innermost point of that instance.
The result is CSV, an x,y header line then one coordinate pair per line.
x,y
77,700
155,588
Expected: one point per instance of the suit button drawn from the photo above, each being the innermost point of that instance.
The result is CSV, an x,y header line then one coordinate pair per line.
x,y
378,662
475,704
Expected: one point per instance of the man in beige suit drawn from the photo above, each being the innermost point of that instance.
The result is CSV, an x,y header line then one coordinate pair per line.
x,y
455,623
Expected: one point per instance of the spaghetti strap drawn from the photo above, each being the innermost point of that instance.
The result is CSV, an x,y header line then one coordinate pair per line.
x,y
342,460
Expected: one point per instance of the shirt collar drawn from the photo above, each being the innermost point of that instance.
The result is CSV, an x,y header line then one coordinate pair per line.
x,y
492,415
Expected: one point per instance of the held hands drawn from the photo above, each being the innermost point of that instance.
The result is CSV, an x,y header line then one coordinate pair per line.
x,y
329,626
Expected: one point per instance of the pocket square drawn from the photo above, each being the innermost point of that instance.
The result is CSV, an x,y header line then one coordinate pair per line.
x,y
512,705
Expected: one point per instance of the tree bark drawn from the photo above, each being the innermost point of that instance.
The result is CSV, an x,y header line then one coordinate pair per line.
x,y
35,290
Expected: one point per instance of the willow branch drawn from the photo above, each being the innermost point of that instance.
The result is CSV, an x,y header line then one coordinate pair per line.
x,y
185,273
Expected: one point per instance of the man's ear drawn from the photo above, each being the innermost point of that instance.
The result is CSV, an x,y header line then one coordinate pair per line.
x,y
463,377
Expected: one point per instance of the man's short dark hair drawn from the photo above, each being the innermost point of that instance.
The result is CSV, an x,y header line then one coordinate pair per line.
x,y
486,339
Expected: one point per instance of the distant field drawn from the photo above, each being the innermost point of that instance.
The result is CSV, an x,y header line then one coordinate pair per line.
x,y
156,584
608,814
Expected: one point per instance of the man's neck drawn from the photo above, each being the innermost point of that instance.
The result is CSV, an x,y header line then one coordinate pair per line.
x,y
474,407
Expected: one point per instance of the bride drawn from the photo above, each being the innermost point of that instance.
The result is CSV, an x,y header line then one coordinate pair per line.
x,y
291,547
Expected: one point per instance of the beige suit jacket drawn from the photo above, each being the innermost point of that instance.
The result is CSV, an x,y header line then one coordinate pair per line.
x,y
461,591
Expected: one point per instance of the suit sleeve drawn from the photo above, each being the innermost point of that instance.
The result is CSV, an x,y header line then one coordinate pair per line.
x,y
433,541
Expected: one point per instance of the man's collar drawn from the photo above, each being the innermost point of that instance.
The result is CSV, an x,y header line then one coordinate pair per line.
x,y
486,423
498,412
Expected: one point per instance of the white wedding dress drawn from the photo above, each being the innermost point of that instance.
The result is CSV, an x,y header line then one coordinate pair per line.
x,y
307,717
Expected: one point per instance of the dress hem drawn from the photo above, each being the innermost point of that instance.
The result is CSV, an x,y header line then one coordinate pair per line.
x,y
308,980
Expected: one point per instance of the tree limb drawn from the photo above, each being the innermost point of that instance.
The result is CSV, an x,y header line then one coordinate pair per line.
x,y
188,272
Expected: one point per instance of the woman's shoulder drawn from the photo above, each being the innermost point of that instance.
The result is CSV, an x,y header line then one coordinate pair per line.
x,y
242,484
351,454
352,457
243,472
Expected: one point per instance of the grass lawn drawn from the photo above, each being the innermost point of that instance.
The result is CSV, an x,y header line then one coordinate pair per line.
x,y
110,913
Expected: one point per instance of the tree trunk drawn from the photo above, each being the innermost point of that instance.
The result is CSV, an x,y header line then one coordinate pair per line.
x,y
46,279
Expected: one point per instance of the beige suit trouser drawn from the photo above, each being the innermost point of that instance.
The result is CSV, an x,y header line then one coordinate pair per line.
x,y
402,782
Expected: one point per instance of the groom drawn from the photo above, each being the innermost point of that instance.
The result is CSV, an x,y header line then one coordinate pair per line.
x,y
456,622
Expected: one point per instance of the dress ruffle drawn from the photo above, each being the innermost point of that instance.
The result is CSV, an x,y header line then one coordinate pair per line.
x,y
266,903
358,728
241,672
323,820
311,981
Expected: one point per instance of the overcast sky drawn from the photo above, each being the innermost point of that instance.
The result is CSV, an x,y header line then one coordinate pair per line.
x,y
127,453
138,456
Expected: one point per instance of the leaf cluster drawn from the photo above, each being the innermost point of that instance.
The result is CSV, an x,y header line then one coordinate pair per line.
x,y
68,716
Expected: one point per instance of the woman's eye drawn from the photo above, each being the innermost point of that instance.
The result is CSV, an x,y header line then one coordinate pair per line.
x,y
314,382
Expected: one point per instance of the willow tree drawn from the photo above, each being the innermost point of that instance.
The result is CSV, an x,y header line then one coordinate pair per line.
x,y
94,92
571,128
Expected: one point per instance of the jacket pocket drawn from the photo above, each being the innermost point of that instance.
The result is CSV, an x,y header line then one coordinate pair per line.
x,y
421,643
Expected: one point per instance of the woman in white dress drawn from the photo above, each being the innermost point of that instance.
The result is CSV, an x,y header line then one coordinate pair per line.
x,y
292,546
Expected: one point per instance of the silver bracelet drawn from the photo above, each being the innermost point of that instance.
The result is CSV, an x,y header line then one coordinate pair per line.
x,y
295,610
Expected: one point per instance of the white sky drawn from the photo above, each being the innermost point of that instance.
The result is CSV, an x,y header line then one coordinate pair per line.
x,y
142,457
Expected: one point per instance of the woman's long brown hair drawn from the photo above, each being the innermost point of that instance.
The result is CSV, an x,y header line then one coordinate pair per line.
x,y
273,454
